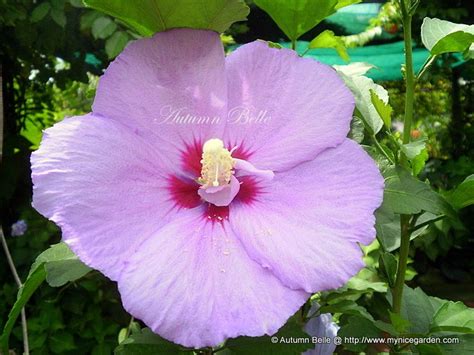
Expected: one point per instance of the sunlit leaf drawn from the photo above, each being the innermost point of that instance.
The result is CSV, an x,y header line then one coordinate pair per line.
x,y
147,17
383,108
327,39
361,87
296,17
441,36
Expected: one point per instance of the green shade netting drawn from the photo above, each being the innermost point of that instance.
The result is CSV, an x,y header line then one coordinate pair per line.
x,y
355,18
386,58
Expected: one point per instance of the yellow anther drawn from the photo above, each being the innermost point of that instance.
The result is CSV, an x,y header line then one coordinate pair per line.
x,y
217,164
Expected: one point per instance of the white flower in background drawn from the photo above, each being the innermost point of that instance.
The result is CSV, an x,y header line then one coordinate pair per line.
x,y
19,228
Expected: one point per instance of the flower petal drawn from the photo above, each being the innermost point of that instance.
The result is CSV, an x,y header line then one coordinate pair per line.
x,y
171,86
284,109
205,288
306,227
103,185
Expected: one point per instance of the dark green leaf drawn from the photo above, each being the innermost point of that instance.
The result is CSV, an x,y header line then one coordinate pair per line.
x,y
358,327
147,17
388,264
40,11
115,44
264,345
61,342
399,323
61,272
419,309
465,346
327,39
57,265
59,17
463,195
405,194
346,307
34,280
103,27
147,342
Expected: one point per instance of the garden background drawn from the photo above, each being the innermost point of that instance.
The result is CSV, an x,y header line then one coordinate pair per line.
x,y
51,54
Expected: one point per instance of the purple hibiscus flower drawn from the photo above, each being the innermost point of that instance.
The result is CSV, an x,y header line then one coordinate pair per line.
x,y
218,192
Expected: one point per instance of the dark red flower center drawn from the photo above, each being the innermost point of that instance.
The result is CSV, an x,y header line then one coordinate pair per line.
x,y
184,189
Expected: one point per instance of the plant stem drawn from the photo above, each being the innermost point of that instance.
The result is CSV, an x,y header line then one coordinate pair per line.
x,y
129,328
293,44
24,325
409,75
397,291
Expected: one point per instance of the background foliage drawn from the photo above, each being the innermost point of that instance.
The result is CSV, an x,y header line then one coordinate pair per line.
x,y
52,51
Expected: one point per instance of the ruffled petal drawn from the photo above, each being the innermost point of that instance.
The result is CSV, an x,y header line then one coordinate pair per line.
x,y
171,86
306,226
284,109
104,185
193,284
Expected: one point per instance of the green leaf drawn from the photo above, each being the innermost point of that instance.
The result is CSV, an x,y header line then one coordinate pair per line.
x,y
296,17
61,272
453,317
405,194
344,3
40,12
418,162
264,345
358,327
63,264
387,225
327,39
465,346
356,132
463,195
146,342
383,108
61,342
115,44
346,307
103,27
399,323
419,309
34,280
413,149
59,17
441,36
147,17
389,265
361,87
57,265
